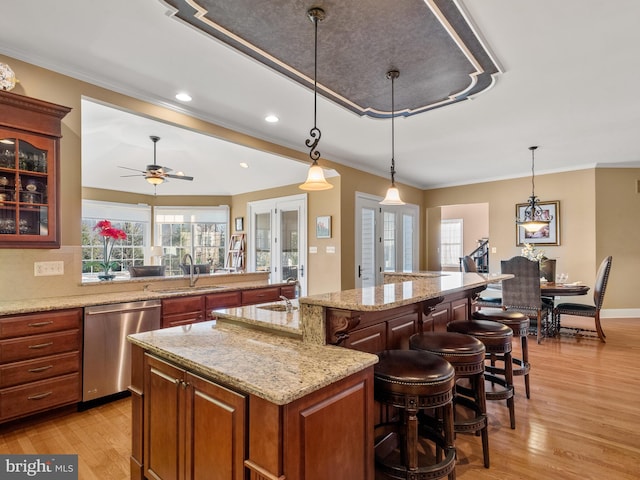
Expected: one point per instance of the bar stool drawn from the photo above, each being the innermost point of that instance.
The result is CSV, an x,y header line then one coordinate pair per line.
x,y
519,323
497,341
414,382
467,355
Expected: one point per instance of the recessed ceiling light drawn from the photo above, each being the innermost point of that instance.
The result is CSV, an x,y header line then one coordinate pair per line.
x,y
183,97
271,119
244,165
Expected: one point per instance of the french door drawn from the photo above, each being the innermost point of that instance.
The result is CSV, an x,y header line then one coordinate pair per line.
x,y
277,228
386,239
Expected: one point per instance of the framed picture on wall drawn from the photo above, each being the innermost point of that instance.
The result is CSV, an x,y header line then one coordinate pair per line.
x,y
547,235
323,226
239,224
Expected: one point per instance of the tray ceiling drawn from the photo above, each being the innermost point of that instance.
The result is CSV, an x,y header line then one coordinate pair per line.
x,y
440,58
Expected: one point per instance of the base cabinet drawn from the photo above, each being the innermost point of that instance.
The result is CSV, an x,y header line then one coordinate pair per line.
x,y
40,364
195,429
188,427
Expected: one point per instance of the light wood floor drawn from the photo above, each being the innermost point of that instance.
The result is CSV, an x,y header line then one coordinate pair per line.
x,y
582,421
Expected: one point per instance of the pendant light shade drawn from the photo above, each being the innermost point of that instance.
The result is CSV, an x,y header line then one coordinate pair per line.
x,y
393,194
315,178
533,218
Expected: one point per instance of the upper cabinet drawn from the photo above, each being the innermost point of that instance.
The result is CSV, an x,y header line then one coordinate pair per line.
x,y
30,132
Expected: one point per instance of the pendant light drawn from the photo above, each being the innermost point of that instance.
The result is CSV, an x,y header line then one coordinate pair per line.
x,y
315,178
393,195
533,219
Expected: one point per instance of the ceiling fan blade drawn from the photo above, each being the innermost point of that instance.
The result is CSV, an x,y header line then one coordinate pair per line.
x,y
137,175
180,177
134,169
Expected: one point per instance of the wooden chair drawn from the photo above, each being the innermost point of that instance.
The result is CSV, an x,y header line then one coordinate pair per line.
x,y
592,311
522,293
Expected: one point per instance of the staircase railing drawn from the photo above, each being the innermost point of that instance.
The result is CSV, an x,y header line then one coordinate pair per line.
x,y
481,256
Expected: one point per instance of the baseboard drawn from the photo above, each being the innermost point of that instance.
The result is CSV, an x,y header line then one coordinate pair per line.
x,y
620,313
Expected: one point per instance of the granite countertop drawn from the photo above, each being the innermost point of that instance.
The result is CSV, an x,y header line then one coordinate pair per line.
x,y
286,323
148,290
273,367
407,288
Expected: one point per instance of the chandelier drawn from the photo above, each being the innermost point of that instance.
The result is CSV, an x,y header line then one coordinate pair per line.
x,y
533,217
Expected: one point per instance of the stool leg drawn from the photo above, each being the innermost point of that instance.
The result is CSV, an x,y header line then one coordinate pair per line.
x,y
508,376
447,416
482,406
411,439
525,361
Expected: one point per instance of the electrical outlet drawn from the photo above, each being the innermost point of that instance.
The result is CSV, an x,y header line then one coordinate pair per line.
x,y
46,269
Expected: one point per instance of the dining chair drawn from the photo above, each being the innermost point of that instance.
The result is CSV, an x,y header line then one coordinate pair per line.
x,y
468,265
522,293
593,311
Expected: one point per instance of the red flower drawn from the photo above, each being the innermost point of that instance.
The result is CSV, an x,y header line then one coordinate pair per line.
x,y
106,230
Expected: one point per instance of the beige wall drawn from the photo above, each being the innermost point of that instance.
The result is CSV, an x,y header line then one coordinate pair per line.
x,y
475,221
617,217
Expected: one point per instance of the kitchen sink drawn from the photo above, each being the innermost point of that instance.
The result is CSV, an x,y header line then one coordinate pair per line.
x,y
276,307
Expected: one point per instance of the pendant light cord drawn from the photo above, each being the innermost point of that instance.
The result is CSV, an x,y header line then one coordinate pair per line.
x,y
533,173
315,15
393,74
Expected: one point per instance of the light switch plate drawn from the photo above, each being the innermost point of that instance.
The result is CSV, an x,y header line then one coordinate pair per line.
x,y
46,269
313,249
330,249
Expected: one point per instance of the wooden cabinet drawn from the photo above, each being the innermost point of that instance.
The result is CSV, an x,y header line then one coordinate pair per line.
x,y
187,427
215,301
30,132
183,310
40,362
194,428
453,308
260,295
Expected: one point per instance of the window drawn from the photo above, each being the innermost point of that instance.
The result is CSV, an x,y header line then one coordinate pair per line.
x,y
389,241
199,231
450,242
135,220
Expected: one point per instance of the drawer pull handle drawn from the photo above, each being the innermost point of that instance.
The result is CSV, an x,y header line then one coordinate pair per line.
x,y
40,324
40,369
39,396
41,345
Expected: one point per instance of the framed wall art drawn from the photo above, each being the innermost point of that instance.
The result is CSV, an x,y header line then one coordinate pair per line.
x,y
239,224
323,226
547,235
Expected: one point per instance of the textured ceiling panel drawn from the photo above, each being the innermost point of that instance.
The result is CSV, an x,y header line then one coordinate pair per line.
x,y
440,59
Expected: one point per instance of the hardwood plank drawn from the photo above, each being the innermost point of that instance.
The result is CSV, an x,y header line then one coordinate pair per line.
x,y
582,421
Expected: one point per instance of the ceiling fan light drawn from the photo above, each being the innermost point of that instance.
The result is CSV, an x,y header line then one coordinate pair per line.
x,y
315,180
155,180
392,197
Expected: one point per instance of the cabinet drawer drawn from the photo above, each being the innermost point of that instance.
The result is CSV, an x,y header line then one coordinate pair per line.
x,y
54,321
182,319
260,295
35,346
172,306
223,300
34,370
37,396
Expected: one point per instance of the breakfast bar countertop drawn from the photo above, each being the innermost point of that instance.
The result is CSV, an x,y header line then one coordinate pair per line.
x,y
402,288
276,368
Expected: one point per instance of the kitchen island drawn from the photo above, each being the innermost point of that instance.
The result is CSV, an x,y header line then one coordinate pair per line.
x,y
263,389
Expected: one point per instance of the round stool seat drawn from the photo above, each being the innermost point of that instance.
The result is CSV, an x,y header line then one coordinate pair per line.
x,y
492,334
516,321
412,372
459,349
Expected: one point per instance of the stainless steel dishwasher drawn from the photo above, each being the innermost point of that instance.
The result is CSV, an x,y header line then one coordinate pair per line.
x,y
107,353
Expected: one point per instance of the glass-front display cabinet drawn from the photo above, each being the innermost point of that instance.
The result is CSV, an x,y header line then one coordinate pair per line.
x,y
30,132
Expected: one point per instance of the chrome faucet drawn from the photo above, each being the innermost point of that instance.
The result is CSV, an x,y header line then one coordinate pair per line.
x,y
193,278
296,283
287,303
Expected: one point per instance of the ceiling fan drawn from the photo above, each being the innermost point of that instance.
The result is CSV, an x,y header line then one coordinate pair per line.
x,y
156,174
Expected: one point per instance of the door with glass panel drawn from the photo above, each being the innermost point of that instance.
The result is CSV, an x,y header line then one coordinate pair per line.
x,y
386,239
277,228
